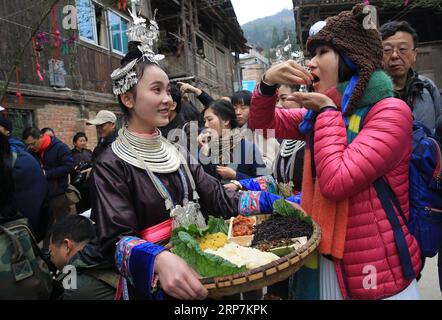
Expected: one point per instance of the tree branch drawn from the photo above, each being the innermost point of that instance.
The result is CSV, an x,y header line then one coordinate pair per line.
x,y
20,54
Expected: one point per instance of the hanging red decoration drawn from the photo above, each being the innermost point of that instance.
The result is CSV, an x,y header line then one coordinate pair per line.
x,y
405,2
122,4
36,61
18,93
56,32
40,40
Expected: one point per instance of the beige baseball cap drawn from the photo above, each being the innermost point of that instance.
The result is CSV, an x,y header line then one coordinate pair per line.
x,y
102,117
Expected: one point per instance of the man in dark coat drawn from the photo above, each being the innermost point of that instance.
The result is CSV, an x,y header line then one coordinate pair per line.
x,y
30,187
56,161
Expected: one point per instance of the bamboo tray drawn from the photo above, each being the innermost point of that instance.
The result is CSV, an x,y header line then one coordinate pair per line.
x,y
265,275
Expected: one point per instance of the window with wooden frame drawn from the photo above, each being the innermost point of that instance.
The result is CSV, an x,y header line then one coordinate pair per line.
x,y
21,119
92,23
118,28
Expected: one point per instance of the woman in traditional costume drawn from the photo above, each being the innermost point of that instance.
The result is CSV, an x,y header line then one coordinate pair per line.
x,y
142,187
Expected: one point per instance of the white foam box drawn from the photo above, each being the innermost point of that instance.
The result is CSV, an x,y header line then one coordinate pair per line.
x,y
244,241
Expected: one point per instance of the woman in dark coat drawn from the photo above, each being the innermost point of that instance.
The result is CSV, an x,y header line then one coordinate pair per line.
x,y
82,167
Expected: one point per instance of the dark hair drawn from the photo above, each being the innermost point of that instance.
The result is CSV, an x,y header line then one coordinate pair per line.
x,y
292,87
224,110
176,97
140,67
390,28
190,113
31,132
242,97
73,227
344,71
79,135
44,130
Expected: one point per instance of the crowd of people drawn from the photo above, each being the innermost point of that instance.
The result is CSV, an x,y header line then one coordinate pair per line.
x,y
326,150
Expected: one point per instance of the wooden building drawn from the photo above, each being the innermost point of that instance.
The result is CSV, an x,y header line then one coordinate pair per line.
x,y
201,39
253,65
426,21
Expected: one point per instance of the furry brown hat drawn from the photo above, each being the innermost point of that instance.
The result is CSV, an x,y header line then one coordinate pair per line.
x,y
363,46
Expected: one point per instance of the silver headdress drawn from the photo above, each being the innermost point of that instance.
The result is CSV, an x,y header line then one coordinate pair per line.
x,y
125,78
284,51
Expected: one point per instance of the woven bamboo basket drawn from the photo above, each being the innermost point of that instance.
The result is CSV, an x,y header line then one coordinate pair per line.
x,y
265,275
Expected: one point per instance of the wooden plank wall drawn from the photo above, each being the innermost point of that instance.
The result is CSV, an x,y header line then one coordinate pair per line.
x,y
88,67
96,65
15,32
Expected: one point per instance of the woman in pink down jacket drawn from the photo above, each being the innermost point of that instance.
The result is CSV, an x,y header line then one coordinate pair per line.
x,y
357,134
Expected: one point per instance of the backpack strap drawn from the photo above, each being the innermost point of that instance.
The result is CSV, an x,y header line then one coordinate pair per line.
x,y
392,196
18,249
386,196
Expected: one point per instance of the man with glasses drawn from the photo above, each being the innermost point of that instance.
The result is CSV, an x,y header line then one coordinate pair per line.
x,y
399,42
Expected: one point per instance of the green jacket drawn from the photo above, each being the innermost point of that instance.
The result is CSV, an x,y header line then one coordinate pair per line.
x,y
93,282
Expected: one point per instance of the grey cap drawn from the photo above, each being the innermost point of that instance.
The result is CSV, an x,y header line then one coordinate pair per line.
x,y
102,117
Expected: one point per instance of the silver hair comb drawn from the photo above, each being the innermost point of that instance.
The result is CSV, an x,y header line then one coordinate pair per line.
x,y
125,78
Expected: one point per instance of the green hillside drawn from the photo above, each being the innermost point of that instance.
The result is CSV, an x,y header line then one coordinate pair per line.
x,y
269,31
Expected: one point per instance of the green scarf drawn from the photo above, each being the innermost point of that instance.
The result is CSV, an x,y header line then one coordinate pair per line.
x,y
380,86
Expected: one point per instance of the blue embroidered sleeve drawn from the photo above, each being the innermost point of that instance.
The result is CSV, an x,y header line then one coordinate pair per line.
x,y
241,176
295,198
264,183
134,259
254,202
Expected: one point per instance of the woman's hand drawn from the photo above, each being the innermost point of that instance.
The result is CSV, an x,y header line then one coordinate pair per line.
x,y
187,88
226,172
231,187
295,205
177,278
288,72
311,100
203,139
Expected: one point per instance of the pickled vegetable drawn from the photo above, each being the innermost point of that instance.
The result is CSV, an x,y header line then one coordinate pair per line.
x,y
242,226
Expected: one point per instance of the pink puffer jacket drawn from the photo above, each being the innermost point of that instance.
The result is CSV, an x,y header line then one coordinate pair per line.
x,y
382,148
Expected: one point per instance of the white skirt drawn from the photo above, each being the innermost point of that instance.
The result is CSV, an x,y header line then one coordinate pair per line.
x,y
329,286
